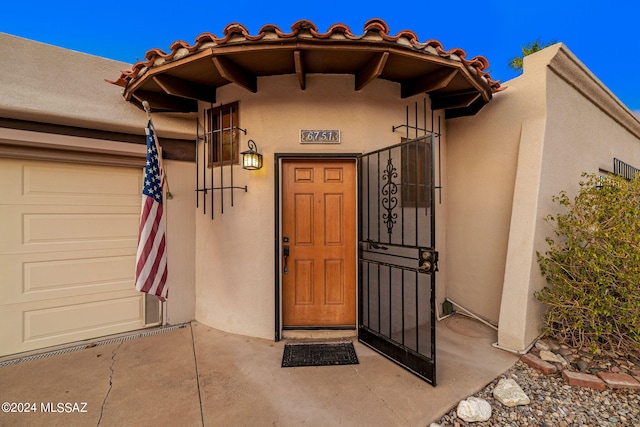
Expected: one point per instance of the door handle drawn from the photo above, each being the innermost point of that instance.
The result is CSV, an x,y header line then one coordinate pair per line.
x,y
285,254
376,246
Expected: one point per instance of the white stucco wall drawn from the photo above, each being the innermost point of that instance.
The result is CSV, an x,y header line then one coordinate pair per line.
x,y
45,84
553,123
235,252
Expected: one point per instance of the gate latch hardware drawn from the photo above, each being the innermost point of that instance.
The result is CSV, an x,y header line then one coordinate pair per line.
x,y
428,260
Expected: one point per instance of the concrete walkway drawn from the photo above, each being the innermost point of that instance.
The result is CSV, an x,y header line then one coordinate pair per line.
x,y
196,375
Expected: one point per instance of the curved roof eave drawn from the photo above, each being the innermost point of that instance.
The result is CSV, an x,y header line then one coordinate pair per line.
x,y
175,81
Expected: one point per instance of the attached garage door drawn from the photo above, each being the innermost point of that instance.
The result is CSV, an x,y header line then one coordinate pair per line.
x,y
68,236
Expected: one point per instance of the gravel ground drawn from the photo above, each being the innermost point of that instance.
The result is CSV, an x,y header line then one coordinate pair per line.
x,y
554,403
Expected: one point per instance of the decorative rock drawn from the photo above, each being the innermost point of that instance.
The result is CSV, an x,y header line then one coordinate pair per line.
x,y
615,380
539,364
552,357
474,409
578,379
509,393
541,345
583,365
553,346
555,403
434,425
564,352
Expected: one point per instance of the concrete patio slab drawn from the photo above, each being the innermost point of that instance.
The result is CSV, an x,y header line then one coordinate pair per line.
x,y
197,375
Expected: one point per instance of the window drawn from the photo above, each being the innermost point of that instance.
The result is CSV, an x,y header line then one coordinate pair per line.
x,y
416,174
222,133
624,169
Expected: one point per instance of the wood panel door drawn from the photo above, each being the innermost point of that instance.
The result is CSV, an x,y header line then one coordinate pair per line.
x,y
319,228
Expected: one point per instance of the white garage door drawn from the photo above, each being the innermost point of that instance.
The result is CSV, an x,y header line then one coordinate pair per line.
x,y
68,235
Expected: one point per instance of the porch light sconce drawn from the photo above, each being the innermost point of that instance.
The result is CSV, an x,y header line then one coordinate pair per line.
x,y
251,159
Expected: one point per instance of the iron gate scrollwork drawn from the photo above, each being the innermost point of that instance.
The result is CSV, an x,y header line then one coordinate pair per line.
x,y
389,199
397,256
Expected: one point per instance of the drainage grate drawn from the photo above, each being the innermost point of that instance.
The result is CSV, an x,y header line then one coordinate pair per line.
x,y
319,354
92,344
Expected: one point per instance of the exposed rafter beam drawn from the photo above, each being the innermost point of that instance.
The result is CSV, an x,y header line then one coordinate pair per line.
x,y
372,70
428,83
233,73
454,100
166,103
472,109
185,88
302,78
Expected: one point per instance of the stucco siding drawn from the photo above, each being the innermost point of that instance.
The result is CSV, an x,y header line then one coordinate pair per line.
x,y
235,252
50,84
536,138
181,229
482,163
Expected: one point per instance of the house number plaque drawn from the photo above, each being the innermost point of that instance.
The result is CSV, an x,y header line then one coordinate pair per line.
x,y
320,136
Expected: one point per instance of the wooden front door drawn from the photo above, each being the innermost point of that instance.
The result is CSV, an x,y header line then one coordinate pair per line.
x,y
319,229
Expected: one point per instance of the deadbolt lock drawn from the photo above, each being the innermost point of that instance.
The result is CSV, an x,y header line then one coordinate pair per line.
x,y
428,260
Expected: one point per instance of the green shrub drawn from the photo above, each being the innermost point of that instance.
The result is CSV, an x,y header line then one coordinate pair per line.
x,y
592,267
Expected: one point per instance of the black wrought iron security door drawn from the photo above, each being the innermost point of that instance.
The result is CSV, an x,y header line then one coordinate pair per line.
x,y
397,256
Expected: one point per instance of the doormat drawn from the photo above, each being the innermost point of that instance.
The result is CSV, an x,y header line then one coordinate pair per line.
x,y
319,354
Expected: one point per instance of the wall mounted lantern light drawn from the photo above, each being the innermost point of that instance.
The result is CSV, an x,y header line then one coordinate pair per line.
x,y
251,159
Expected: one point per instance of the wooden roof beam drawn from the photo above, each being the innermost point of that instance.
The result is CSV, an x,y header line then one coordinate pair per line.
x,y
428,83
166,103
302,77
372,70
235,74
184,88
454,100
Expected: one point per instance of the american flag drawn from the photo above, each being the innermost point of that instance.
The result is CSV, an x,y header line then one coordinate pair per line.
x,y
151,258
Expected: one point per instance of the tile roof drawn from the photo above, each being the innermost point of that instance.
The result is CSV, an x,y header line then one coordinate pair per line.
x,y
175,81
303,29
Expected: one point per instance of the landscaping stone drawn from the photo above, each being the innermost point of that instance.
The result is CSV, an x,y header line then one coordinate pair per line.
x,y
509,393
550,356
474,409
539,364
579,379
615,380
583,365
555,404
541,345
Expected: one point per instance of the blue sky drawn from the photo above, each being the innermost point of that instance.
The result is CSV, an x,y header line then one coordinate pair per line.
x,y
603,35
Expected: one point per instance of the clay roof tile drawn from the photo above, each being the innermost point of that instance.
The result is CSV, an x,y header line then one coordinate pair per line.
x,y
237,32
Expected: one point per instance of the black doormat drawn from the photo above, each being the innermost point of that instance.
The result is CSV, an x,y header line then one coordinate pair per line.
x,y
319,354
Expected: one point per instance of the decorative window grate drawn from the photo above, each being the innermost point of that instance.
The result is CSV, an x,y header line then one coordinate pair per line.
x,y
216,148
624,169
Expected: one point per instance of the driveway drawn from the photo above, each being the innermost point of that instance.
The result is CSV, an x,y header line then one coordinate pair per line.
x,y
193,375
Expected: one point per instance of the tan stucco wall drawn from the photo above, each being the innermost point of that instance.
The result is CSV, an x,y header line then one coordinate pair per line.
x,y
50,85
481,163
44,83
235,252
535,139
181,249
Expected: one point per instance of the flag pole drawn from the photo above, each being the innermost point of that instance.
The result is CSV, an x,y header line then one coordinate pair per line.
x,y
147,108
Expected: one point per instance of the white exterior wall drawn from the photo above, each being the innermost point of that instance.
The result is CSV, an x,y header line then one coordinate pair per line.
x,y
235,252
553,123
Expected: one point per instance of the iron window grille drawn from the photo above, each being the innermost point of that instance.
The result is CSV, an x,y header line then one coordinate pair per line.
x,y
624,169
